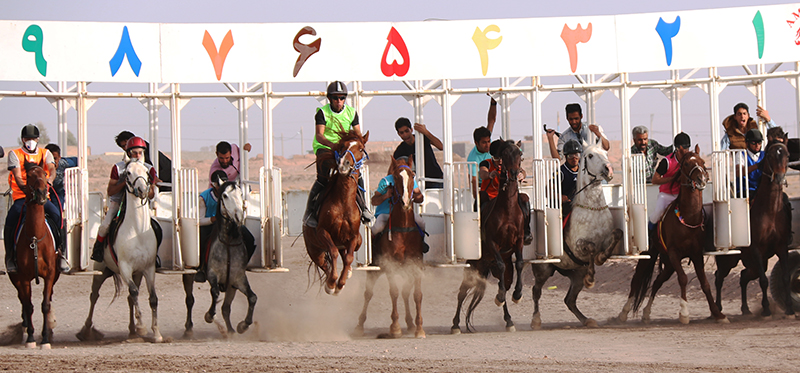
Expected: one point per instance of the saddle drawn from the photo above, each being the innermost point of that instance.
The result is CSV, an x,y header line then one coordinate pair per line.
x,y
116,222
52,225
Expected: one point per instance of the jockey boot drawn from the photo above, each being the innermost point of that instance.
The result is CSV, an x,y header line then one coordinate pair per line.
x,y
11,260
97,250
63,264
312,205
525,205
366,215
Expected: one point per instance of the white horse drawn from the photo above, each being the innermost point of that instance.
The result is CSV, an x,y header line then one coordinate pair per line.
x,y
589,235
133,255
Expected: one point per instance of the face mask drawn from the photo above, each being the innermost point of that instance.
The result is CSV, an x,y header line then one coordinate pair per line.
x,y
30,145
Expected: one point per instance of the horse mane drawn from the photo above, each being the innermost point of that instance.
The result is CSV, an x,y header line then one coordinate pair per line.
x,y
345,138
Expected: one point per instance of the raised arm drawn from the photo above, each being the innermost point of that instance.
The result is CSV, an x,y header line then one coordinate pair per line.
x,y
492,116
419,127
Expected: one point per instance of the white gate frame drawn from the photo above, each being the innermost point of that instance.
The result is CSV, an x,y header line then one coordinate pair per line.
x,y
637,206
731,201
546,219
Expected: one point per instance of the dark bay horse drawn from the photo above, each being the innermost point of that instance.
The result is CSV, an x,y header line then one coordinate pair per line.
x,y
502,231
36,256
769,229
337,232
681,233
399,252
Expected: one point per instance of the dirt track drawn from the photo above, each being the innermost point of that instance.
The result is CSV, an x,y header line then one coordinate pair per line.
x,y
307,330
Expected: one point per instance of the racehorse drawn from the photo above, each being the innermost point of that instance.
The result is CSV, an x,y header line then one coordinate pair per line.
x,y
589,235
679,234
502,235
769,229
399,252
339,220
227,262
131,255
36,256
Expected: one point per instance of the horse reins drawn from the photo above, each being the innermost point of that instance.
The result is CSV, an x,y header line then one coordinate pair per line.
x,y
393,200
35,247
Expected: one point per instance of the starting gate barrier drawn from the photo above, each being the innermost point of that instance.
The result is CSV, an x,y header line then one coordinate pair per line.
x,y
637,205
546,219
731,203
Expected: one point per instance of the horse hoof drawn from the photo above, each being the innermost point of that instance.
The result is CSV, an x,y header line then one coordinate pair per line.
x,y
336,292
420,334
646,320
358,331
723,320
188,334
499,303
209,318
349,273
30,345
536,322
141,331
590,323
158,339
242,327
516,300
683,319
455,330
45,346
328,290
511,329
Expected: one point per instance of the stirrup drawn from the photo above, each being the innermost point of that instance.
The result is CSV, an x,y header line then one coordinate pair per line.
x,y
11,266
310,221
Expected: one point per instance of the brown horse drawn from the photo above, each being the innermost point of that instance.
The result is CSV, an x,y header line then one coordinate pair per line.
x,y
769,229
502,234
36,256
337,231
399,252
679,234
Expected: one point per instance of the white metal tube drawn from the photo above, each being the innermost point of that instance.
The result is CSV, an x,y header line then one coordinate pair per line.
x,y
175,104
713,97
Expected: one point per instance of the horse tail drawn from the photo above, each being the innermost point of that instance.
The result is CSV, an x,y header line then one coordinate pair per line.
x,y
641,279
119,287
477,295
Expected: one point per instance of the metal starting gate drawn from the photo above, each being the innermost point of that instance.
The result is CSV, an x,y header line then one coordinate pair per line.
x,y
466,243
637,206
546,220
731,203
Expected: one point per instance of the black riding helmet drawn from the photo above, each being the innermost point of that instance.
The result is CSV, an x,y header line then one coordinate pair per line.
x,y
682,140
572,147
753,135
494,148
337,88
30,132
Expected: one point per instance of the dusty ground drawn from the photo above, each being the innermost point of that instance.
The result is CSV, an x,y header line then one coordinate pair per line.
x,y
299,328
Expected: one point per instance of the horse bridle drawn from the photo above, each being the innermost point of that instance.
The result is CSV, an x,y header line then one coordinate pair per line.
x,y
395,196
356,167
692,183
129,187
771,175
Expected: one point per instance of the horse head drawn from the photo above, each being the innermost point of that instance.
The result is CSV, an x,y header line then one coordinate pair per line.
x,y
231,203
400,169
775,163
35,183
351,153
594,162
693,170
137,178
511,157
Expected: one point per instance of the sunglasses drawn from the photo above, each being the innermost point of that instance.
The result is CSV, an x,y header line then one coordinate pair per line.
x,y
754,142
338,98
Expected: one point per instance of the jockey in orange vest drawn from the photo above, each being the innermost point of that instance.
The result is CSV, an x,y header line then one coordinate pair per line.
x,y
29,152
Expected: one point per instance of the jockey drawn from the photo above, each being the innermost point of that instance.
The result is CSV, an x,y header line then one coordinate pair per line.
x,y
330,120
135,149
382,199
209,199
490,184
17,176
569,175
666,176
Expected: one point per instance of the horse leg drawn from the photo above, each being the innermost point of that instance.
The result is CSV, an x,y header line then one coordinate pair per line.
x,y
783,257
519,265
419,332
150,278
372,277
498,269
608,246
663,275
88,332
407,286
683,280
764,282
230,293
508,278
697,260
47,311
541,272
214,289
347,261
332,254
135,327
188,284
641,273
750,259
467,283
24,295
724,265
576,283
395,331
252,298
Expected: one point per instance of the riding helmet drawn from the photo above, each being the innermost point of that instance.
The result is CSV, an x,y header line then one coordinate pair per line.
x,y
337,88
30,132
754,135
682,140
135,142
572,147
494,148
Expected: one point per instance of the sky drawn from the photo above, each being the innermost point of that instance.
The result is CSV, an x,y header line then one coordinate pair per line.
x,y
207,121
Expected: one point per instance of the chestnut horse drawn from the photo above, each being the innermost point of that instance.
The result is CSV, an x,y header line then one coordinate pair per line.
x,y
339,220
36,256
680,233
399,252
502,234
769,227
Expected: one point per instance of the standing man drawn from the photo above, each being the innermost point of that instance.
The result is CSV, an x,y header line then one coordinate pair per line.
x,y
569,175
650,148
407,149
483,139
666,176
228,160
17,178
578,131
737,124
135,148
334,118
